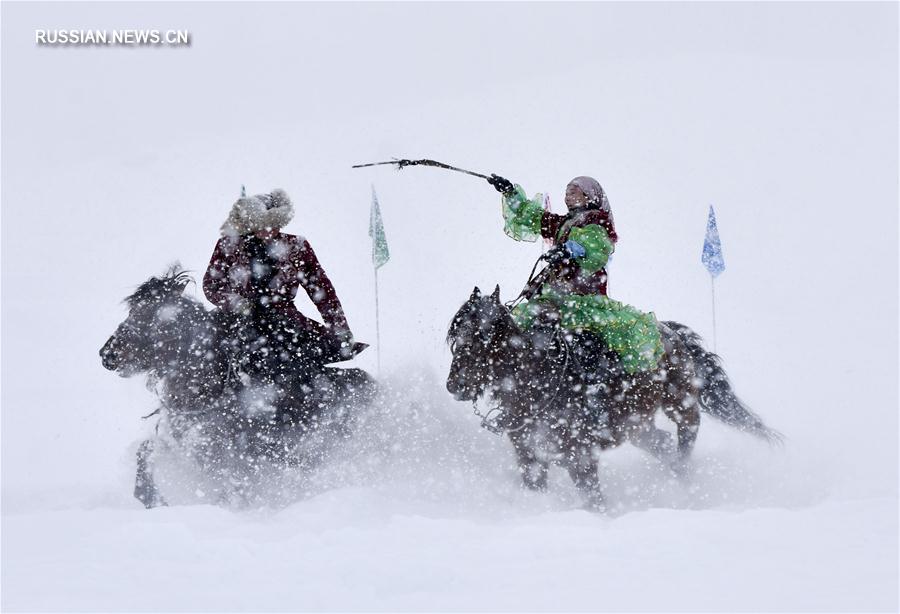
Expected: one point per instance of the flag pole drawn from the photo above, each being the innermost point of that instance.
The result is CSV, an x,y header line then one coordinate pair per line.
x,y
712,283
380,255
714,262
377,325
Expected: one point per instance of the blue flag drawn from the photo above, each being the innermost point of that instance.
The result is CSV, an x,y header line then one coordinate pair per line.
x,y
712,247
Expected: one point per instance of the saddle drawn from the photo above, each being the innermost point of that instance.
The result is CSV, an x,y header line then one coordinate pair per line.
x,y
270,348
584,353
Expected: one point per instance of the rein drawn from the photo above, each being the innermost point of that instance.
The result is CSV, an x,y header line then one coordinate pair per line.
x,y
493,424
534,283
490,424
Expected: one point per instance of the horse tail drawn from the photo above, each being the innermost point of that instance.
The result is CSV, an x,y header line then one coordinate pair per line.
x,y
717,397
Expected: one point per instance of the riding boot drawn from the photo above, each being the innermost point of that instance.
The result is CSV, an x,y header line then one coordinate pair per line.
x,y
544,333
591,355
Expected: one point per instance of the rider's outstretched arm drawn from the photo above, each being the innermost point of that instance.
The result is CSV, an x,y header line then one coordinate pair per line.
x,y
320,289
526,219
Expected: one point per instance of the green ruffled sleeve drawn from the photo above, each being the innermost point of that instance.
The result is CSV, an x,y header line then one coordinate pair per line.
x,y
521,216
596,244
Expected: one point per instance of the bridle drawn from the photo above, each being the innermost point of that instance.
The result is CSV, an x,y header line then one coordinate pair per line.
x,y
492,420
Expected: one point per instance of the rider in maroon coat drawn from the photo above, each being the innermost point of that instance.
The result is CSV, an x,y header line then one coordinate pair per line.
x,y
256,269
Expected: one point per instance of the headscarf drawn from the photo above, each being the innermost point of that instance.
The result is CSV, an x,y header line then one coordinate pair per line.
x,y
593,192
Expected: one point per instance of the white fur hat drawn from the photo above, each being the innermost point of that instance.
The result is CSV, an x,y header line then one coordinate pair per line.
x,y
261,212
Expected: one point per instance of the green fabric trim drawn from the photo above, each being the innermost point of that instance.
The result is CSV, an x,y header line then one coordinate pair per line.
x,y
632,334
596,244
521,216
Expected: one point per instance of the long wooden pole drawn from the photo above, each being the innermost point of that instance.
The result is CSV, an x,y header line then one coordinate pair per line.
x,y
713,286
377,325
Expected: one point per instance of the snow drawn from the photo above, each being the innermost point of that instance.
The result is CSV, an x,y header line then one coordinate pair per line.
x,y
422,511
119,161
357,549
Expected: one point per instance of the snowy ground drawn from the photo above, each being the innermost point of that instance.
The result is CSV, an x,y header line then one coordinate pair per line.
x,y
422,510
355,549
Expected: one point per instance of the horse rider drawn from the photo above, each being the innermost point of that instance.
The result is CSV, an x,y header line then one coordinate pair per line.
x,y
573,288
253,276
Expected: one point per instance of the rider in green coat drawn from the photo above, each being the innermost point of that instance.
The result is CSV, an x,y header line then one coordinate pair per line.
x,y
573,291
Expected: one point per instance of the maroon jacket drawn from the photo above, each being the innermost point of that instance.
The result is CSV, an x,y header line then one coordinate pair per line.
x,y
227,282
557,228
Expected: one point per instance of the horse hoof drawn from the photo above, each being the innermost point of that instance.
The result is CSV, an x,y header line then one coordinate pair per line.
x,y
681,470
535,486
150,498
597,506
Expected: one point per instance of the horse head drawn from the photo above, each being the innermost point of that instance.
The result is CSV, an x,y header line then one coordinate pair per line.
x,y
481,336
151,335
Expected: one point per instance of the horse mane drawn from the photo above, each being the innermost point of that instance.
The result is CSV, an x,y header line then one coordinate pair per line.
x,y
453,329
172,282
475,306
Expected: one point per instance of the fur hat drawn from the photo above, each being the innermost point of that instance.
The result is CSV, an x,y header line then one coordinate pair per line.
x,y
264,211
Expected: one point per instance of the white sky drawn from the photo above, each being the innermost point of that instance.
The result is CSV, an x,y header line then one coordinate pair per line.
x,y
784,116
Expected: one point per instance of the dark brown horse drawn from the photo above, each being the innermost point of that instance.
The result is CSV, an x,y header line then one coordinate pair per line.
x,y
554,408
232,400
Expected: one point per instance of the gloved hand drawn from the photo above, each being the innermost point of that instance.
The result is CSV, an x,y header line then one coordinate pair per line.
x,y
576,249
345,338
343,335
556,254
567,251
502,185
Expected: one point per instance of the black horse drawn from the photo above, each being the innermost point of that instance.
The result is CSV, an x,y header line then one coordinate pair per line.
x,y
556,409
222,411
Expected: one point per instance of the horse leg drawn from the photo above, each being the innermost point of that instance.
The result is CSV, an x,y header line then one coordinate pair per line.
x,y
687,422
356,390
534,471
145,489
585,474
656,441
646,395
